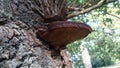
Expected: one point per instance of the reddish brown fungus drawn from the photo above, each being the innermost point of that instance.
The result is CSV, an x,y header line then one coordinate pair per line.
x,y
60,33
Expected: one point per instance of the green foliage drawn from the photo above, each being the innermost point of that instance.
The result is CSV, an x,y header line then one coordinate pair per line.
x,y
104,49
104,42
82,3
75,3
74,47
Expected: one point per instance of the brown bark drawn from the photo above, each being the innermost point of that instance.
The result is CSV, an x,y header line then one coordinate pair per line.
x,y
19,46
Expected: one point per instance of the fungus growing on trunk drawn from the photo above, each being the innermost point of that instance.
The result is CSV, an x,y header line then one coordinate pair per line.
x,y
56,30
59,33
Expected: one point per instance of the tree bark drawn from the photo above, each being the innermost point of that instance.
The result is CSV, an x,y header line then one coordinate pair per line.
x,y
67,61
86,59
19,46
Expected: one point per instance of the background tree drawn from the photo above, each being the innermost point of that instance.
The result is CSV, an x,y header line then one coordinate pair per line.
x,y
19,46
103,43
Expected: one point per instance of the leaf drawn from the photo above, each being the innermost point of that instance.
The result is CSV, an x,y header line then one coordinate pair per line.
x,y
118,12
109,20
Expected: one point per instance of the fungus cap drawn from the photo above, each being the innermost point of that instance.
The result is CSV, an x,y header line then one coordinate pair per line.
x,y
60,33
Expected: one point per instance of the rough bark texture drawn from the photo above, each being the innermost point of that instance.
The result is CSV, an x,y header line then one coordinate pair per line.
x,y
19,47
67,61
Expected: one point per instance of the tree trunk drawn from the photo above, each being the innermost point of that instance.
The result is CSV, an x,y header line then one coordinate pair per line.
x,y
67,61
19,45
86,59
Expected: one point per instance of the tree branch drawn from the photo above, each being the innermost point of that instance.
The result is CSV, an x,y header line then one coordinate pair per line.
x,y
113,15
78,11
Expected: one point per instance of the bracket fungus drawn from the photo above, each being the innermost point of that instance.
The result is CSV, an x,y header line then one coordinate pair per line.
x,y
59,33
